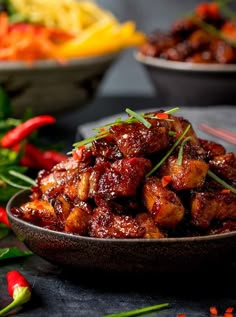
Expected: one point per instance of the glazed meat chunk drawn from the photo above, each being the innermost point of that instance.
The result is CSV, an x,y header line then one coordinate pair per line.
x,y
163,204
206,206
224,166
146,221
190,174
106,147
105,224
212,148
179,124
123,177
40,213
136,140
77,221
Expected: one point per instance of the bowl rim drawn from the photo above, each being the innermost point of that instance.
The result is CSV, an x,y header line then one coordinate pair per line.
x,y
77,237
53,63
183,66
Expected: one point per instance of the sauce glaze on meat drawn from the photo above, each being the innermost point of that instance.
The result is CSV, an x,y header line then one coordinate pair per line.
x,y
190,39
103,190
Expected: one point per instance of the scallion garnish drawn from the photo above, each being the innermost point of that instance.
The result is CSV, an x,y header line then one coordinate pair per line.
x,y
221,181
90,140
172,110
133,117
22,177
169,152
181,149
140,311
172,133
138,117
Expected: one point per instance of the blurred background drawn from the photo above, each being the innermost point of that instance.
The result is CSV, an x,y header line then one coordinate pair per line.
x,y
126,76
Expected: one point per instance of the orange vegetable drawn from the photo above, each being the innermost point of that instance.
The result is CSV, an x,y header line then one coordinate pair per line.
x,y
162,115
165,180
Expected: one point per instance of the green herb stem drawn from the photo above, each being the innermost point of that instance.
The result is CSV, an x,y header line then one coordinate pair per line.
x,y
169,152
139,117
140,311
180,155
221,181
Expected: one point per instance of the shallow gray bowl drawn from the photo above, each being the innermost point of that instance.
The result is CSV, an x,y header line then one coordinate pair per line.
x,y
191,84
124,255
48,87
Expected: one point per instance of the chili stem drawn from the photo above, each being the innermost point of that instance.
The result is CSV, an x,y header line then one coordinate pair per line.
x,y
139,311
22,177
169,152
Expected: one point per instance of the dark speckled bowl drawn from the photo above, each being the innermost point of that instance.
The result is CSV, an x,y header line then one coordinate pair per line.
x,y
124,255
49,87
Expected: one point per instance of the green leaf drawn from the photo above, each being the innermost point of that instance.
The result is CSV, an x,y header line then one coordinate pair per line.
x,y
13,252
4,231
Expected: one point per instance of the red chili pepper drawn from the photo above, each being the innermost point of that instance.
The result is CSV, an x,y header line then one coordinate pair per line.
x,y
22,131
225,191
19,289
162,115
45,160
77,153
53,156
208,10
213,311
181,315
3,217
228,315
166,180
229,310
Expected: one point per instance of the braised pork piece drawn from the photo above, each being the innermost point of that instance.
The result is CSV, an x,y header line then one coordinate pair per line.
x,y
206,36
145,177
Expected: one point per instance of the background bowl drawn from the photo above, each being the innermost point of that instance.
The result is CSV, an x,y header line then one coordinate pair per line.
x,y
191,84
124,255
49,87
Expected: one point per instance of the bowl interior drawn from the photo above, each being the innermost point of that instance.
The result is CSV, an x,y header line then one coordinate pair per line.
x,y
124,255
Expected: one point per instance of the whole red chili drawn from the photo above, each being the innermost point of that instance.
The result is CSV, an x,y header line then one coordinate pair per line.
x,y
24,129
19,289
3,217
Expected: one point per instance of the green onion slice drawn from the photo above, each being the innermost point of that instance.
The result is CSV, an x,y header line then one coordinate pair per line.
x,y
169,152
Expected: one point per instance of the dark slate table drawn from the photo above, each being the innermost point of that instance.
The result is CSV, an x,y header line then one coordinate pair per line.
x,y
63,292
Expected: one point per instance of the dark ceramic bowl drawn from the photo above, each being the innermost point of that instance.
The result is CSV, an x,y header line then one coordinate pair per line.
x,y
191,84
124,255
49,87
